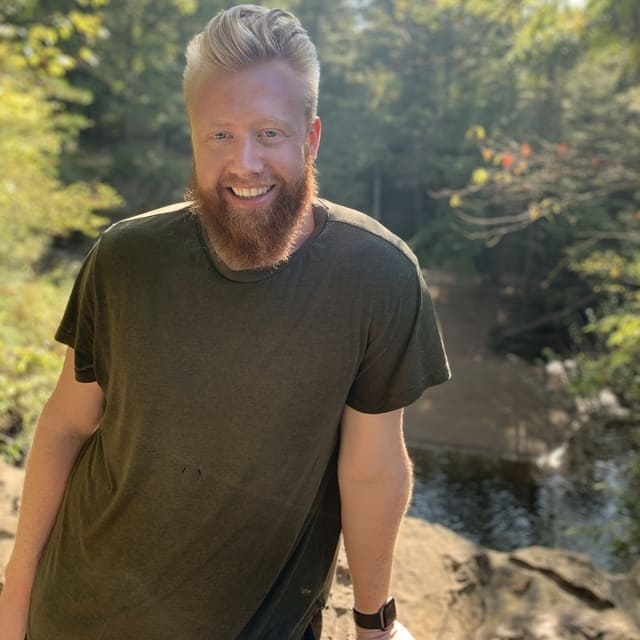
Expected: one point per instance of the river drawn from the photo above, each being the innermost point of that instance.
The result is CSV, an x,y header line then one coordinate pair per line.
x,y
505,504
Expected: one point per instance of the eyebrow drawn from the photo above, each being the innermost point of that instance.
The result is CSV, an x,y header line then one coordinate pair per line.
x,y
266,122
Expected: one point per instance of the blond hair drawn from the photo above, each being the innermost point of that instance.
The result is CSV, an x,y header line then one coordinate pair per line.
x,y
246,34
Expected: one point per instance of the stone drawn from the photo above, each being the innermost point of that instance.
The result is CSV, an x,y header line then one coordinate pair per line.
x,y
556,375
574,572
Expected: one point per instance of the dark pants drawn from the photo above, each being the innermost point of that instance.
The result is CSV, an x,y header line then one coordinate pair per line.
x,y
314,630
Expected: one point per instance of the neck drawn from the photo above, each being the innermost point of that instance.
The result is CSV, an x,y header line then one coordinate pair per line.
x,y
307,225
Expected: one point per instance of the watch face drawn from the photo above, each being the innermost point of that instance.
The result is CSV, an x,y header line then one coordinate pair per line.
x,y
389,612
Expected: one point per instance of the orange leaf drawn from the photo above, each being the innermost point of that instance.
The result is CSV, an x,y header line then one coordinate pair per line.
x,y
525,149
487,154
507,160
561,149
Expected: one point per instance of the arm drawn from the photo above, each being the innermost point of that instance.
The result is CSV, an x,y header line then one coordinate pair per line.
x,y
67,420
374,473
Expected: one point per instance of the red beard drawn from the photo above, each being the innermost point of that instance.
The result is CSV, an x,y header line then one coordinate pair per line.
x,y
263,238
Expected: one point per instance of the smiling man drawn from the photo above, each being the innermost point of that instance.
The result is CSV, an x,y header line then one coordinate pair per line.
x,y
254,147
231,399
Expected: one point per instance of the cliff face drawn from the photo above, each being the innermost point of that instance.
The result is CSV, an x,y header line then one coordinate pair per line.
x,y
448,588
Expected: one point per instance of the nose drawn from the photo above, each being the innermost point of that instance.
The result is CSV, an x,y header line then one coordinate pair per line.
x,y
247,156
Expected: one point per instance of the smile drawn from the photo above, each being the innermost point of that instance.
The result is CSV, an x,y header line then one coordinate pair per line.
x,y
254,192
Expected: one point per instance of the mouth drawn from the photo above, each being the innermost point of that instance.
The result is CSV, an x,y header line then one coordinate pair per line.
x,y
250,193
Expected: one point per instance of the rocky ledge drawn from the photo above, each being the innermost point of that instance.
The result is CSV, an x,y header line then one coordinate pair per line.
x,y
448,588
451,589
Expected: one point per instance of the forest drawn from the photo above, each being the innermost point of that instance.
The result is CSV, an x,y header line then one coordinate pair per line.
x,y
500,138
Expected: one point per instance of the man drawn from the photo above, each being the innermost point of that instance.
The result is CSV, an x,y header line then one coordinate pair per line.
x,y
232,394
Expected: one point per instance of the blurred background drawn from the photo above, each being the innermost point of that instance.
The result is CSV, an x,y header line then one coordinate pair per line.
x,y
499,138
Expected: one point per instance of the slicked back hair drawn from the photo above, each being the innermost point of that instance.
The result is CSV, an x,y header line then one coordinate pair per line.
x,y
244,35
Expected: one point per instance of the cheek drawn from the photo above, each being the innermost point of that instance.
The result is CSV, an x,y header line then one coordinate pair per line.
x,y
207,169
292,162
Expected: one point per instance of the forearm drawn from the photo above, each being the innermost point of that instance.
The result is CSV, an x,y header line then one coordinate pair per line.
x,y
372,508
53,453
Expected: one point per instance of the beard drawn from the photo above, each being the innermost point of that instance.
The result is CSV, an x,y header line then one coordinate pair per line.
x,y
256,239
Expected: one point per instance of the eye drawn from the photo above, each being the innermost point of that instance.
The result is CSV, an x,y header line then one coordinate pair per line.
x,y
219,135
270,134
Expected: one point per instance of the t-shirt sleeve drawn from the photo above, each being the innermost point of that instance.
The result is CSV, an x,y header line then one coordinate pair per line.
x,y
405,353
77,327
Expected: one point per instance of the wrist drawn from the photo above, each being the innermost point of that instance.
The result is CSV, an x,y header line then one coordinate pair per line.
x,y
18,582
380,620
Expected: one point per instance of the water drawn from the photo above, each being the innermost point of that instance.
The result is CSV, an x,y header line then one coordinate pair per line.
x,y
509,504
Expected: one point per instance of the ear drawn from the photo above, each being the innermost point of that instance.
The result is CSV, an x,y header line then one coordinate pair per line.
x,y
313,137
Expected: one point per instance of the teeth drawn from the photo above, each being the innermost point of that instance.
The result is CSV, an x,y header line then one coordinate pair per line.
x,y
250,193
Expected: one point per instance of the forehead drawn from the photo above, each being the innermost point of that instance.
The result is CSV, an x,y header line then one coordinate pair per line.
x,y
268,90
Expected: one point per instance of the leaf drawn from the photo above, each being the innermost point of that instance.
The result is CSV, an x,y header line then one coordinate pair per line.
x,y
507,160
477,132
455,201
480,176
487,155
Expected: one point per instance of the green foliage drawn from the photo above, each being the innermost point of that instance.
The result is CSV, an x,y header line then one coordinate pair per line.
x,y
616,327
627,546
35,206
140,139
29,361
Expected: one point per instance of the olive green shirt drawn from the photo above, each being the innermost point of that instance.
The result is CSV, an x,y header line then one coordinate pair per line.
x,y
206,504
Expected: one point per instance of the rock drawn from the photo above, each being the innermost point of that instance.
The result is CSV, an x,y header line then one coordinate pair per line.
x,y
438,578
604,404
574,572
556,375
449,588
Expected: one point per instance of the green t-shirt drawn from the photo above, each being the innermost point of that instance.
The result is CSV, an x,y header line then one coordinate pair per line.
x,y
206,505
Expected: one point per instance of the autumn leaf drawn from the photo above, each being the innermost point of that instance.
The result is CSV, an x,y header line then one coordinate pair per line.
x,y
525,149
506,160
534,211
561,149
455,201
487,155
480,176
477,132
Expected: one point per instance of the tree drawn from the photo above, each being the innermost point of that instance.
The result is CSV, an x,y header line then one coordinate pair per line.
x,y
35,205
140,138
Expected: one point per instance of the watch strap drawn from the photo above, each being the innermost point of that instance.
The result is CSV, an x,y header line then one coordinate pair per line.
x,y
381,619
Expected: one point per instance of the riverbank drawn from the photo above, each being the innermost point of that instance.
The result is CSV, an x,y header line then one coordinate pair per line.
x,y
498,406
450,589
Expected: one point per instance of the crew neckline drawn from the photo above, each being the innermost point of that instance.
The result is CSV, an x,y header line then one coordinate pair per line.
x,y
320,215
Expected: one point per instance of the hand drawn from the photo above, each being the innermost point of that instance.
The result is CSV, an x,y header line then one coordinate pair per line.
x,y
395,632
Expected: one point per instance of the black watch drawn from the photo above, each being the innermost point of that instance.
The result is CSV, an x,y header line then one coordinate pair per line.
x,y
382,619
